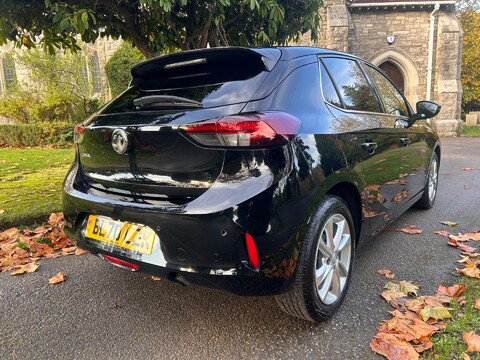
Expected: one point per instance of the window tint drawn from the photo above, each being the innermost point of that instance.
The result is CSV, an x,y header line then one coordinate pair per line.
x,y
351,83
391,97
329,92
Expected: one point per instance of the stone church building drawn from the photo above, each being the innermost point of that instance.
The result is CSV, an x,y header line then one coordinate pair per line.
x,y
417,43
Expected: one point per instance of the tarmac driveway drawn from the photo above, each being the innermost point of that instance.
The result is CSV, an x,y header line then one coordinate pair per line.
x,y
102,312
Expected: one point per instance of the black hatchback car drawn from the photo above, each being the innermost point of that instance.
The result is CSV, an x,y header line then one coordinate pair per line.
x,y
256,171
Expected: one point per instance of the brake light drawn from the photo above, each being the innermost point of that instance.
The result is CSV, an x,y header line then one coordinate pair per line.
x,y
78,133
252,252
253,130
119,262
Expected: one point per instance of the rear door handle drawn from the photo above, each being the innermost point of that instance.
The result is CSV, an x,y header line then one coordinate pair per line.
x,y
405,141
369,147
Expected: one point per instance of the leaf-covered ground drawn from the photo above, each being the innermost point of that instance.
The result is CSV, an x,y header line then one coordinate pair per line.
x,y
445,325
21,249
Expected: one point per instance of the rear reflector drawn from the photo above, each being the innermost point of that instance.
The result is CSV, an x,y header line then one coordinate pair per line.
x,y
78,133
120,263
252,252
252,130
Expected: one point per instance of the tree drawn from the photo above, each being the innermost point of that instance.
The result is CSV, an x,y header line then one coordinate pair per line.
x,y
469,17
157,25
119,65
58,89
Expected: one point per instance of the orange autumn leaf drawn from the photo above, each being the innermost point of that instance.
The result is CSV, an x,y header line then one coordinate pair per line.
x,y
411,229
453,291
473,342
392,348
472,272
442,232
79,251
28,268
387,273
462,247
60,277
477,303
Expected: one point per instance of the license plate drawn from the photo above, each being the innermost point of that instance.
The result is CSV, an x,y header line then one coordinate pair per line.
x,y
125,235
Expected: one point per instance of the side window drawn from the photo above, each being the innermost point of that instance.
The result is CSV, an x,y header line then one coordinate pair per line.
x,y
392,99
329,92
352,85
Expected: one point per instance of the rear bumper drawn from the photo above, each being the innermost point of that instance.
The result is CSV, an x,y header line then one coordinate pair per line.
x,y
202,241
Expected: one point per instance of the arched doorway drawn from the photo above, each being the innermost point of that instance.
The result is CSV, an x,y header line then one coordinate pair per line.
x,y
406,71
394,73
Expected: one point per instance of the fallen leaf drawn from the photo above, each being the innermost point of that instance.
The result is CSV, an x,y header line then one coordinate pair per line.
x,y
453,291
466,187
473,342
408,288
22,269
449,223
460,237
69,250
79,251
155,278
470,272
468,169
60,277
437,313
392,348
411,229
463,247
477,303
2,211
442,232
387,273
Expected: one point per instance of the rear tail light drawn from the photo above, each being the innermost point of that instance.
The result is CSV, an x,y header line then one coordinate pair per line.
x,y
78,133
253,130
252,252
119,262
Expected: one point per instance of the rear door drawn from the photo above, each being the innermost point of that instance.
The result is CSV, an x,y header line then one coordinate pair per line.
x,y
358,111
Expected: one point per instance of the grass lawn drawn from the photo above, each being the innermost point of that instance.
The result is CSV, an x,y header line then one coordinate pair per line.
x,y
31,184
471,131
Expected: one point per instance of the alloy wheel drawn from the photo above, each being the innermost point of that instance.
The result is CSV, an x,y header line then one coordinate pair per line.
x,y
333,257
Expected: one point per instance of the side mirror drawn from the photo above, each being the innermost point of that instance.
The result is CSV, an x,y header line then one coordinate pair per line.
x,y
426,110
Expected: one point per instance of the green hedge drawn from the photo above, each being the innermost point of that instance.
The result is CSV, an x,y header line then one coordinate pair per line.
x,y
55,133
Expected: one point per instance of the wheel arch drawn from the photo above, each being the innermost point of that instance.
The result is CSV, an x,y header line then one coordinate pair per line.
x,y
350,195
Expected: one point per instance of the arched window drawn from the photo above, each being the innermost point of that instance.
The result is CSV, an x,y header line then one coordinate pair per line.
x,y
96,76
9,72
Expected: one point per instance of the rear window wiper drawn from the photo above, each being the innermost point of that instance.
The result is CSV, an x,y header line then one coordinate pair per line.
x,y
164,101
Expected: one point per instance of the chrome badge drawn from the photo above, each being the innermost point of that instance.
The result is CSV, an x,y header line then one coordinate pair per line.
x,y
120,141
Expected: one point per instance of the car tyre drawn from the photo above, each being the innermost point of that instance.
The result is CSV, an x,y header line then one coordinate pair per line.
x,y
325,263
430,191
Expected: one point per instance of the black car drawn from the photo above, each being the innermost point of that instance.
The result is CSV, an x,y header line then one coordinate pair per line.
x,y
256,171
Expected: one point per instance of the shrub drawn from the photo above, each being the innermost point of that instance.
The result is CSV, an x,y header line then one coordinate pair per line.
x,y
119,65
56,134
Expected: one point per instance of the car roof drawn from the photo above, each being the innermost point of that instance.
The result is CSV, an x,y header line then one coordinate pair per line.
x,y
269,56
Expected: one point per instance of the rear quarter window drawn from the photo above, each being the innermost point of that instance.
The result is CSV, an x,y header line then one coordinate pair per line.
x,y
351,84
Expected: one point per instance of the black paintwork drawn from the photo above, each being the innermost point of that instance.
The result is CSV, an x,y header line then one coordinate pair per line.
x,y
201,202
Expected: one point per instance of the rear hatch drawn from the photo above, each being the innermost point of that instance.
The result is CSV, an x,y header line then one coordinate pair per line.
x,y
134,146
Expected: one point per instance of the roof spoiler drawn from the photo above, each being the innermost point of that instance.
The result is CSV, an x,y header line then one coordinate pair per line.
x,y
197,62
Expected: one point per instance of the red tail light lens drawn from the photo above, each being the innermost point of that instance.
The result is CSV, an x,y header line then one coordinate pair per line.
x,y
119,262
78,133
254,130
252,252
